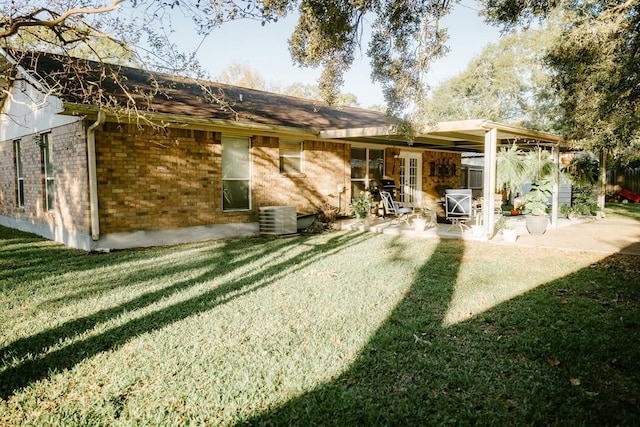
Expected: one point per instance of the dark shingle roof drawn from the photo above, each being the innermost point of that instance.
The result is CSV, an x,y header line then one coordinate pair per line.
x,y
81,81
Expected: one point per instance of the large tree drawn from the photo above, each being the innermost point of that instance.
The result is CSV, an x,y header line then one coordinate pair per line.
x,y
405,34
241,74
507,82
595,66
595,69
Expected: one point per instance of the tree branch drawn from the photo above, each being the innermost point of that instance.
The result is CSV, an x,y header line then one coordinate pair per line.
x,y
31,20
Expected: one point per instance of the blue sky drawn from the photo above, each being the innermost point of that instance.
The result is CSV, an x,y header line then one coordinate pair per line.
x,y
264,49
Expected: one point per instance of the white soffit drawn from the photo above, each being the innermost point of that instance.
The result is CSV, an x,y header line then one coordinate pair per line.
x,y
453,135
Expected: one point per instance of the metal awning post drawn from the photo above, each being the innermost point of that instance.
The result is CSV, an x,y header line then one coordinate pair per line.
x,y
602,184
490,154
555,153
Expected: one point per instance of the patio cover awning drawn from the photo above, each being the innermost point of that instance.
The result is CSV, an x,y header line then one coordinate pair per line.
x,y
479,136
456,136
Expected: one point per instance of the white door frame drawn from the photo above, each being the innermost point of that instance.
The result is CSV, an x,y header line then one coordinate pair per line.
x,y
411,184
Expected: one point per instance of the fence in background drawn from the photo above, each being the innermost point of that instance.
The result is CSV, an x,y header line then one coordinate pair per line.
x,y
628,179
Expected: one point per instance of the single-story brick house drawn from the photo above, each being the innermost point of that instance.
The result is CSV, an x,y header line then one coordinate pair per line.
x,y
177,165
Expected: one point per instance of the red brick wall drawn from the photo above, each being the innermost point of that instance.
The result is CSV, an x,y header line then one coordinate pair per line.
x,y
149,180
430,183
324,164
71,183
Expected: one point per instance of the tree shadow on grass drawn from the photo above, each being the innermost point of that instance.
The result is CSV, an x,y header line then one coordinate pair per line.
x,y
565,353
390,377
152,265
222,261
26,258
276,261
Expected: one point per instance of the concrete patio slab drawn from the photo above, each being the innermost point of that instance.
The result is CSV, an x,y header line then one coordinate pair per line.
x,y
607,235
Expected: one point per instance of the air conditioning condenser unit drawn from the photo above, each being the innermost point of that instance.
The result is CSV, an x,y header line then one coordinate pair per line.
x,y
278,220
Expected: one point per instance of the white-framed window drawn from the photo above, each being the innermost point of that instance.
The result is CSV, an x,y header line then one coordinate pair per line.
x,y
19,173
291,157
367,168
236,173
49,171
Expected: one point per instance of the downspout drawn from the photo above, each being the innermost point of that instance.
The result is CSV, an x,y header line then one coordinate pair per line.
x,y
93,180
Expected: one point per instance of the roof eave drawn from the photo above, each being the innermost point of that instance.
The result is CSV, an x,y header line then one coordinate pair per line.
x,y
37,83
176,120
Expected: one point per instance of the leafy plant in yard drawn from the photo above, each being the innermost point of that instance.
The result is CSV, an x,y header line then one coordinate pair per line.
x,y
361,205
327,215
584,202
583,171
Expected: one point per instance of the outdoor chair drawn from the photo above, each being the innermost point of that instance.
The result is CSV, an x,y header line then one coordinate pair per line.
x,y
458,207
393,208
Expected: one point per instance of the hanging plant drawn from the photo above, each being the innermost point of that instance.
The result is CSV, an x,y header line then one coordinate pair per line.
x,y
512,169
541,165
583,170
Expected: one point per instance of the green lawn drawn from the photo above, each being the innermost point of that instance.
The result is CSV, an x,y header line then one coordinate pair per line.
x,y
631,210
341,328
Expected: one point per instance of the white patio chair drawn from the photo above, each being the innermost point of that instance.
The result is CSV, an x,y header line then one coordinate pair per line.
x,y
393,208
458,207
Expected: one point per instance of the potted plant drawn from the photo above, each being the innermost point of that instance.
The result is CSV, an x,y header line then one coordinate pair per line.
x,y
509,233
477,229
514,168
543,175
361,206
420,222
536,206
583,170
